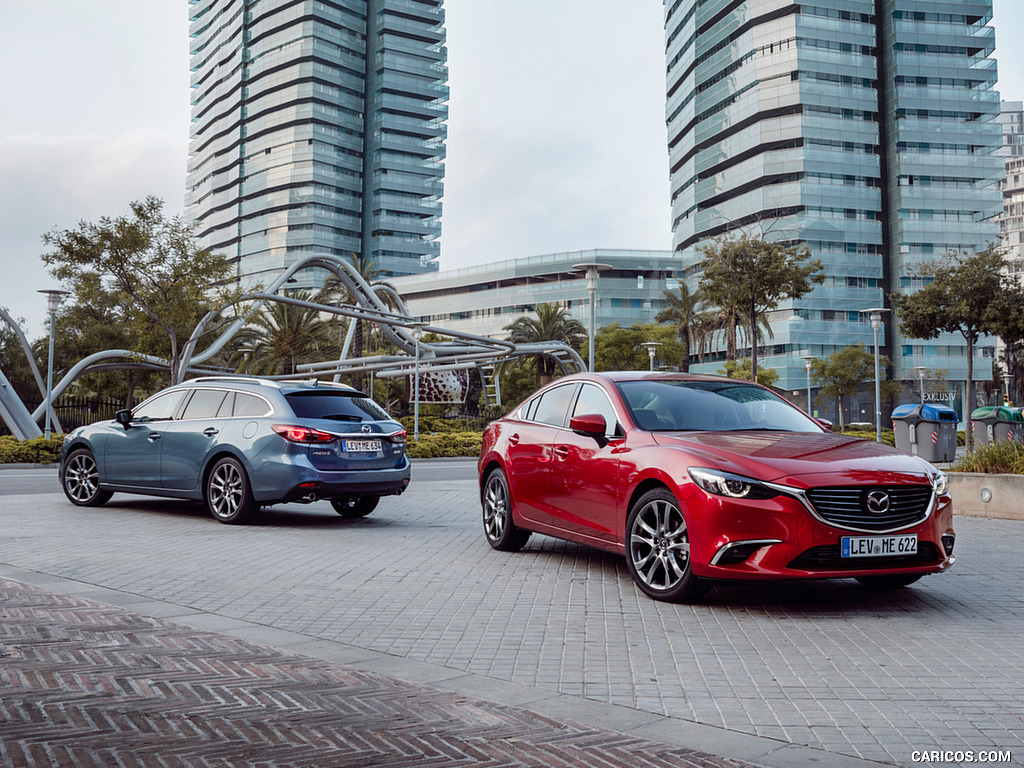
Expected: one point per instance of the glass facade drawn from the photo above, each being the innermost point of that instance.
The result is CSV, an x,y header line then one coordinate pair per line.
x,y
318,127
485,298
863,128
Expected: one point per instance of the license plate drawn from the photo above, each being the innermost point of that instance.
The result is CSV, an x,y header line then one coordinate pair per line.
x,y
878,546
361,446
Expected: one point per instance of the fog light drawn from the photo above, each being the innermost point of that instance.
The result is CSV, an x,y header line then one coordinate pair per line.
x,y
948,540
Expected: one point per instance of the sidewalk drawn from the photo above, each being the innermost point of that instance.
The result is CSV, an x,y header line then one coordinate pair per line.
x,y
87,684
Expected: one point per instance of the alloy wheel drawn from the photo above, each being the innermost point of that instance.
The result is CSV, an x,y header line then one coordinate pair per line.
x,y
659,546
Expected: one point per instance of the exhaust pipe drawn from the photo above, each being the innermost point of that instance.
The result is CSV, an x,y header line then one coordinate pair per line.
x,y
309,498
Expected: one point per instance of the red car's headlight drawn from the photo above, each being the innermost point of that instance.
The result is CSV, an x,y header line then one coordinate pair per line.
x,y
720,483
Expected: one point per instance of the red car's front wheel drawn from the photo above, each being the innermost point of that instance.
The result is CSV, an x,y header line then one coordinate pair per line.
x,y
658,549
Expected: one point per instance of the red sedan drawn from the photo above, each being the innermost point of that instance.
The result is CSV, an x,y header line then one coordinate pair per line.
x,y
703,478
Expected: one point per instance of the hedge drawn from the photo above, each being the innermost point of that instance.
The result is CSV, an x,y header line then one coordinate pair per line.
x,y
36,451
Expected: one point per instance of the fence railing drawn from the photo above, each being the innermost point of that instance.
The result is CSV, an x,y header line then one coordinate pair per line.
x,y
74,411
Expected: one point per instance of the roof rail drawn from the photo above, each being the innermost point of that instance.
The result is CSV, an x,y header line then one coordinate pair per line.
x,y
246,379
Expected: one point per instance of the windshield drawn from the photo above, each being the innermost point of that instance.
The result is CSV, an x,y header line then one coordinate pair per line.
x,y
715,406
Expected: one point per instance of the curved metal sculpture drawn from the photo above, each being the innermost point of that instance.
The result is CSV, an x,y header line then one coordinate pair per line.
x,y
466,350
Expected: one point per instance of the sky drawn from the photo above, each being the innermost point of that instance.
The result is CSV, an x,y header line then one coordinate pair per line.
x,y
556,130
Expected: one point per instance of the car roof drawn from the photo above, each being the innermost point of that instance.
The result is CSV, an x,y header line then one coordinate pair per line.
x,y
286,387
655,376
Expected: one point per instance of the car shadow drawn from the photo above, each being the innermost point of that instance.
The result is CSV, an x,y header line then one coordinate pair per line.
x,y
283,516
792,598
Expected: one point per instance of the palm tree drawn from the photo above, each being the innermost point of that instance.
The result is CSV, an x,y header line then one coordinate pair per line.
x,y
683,310
335,292
280,337
553,323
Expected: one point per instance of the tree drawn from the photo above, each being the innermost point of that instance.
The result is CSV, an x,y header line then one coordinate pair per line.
x,y
552,323
966,296
282,336
620,349
683,310
845,372
747,276
743,369
164,282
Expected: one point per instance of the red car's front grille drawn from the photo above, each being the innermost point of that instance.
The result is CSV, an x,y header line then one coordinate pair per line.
x,y
828,557
850,508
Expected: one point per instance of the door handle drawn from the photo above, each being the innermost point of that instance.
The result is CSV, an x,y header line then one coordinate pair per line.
x,y
210,431
153,436
513,439
562,451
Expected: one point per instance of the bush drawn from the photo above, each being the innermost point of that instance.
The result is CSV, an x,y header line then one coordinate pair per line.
x,y
993,459
445,445
39,450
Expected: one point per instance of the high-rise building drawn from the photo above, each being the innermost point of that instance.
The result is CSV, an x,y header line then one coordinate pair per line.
x,y
318,127
866,129
1011,118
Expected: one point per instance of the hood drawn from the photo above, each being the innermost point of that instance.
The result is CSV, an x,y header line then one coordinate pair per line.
x,y
775,456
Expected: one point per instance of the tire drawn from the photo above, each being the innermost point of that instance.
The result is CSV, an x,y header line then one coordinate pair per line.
x,y
882,583
80,479
658,549
501,533
357,507
228,495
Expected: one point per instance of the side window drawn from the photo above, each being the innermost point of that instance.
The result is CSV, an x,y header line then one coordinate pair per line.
x,y
204,404
553,405
250,405
592,399
227,406
527,412
159,408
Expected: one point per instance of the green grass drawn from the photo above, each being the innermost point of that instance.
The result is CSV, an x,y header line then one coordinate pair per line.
x,y
993,459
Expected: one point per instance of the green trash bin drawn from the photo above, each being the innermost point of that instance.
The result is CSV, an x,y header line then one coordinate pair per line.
x,y
997,424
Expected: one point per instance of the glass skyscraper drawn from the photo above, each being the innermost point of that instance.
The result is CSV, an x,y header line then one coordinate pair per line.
x,y
866,129
318,127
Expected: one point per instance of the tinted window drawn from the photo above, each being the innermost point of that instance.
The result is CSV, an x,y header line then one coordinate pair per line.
x,y
227,406
160,408
250,405
711,405
553,405
335,405
592,399
204,404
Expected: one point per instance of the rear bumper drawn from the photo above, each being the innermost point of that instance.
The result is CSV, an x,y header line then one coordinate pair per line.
x,y
305,481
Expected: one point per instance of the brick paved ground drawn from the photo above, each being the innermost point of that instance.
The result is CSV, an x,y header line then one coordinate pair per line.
x,y
85,684
828,665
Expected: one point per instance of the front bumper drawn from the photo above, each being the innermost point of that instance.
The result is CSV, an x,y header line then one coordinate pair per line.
x,y
780,538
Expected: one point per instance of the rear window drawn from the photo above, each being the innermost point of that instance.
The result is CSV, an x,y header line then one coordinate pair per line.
x,y
335,405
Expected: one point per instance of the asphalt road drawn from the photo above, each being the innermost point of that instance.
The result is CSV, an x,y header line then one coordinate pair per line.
x,y
15,479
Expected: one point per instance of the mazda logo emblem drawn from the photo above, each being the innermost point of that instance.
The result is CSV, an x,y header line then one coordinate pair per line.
x,y
367,428
878,502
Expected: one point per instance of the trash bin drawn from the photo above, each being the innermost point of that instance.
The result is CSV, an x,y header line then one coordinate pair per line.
x,y
928,431
997,424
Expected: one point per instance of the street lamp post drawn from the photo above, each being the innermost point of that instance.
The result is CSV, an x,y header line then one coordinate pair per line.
x,y
1007,377
807,365
53,299
591,269
875,313
652,347
921,371
417,332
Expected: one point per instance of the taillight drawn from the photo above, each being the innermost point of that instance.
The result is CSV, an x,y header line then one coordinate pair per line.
x,y
398,437
294,434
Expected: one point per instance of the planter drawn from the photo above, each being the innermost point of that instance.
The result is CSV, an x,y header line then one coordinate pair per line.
x,y
982,495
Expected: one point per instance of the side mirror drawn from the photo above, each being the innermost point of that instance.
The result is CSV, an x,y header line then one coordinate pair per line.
x,y
825,423
592,424
124,417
